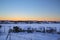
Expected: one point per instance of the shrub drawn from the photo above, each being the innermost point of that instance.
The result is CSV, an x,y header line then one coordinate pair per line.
x,y
29,30
0,26
58,32
16,29
42,29
50,30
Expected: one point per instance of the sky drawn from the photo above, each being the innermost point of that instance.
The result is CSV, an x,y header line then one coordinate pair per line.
x,y
30,10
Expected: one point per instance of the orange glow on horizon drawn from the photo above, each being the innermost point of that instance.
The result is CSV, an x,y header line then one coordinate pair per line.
x,y
26,18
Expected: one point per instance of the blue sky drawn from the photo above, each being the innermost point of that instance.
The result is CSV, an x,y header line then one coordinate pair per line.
x,y
30,8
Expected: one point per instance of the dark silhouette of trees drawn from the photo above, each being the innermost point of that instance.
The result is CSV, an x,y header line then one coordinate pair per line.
x,y
16,29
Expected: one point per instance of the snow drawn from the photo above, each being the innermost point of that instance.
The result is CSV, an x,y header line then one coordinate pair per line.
x,y
29,36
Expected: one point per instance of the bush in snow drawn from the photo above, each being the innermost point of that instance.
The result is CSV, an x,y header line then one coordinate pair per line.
x,y
58,32
16,29
41,29
30,30
50,30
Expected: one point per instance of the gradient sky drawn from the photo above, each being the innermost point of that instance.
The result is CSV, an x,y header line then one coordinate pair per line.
x,y
30,10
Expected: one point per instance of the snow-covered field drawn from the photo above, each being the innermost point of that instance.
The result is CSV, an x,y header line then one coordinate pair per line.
x,y
29,36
